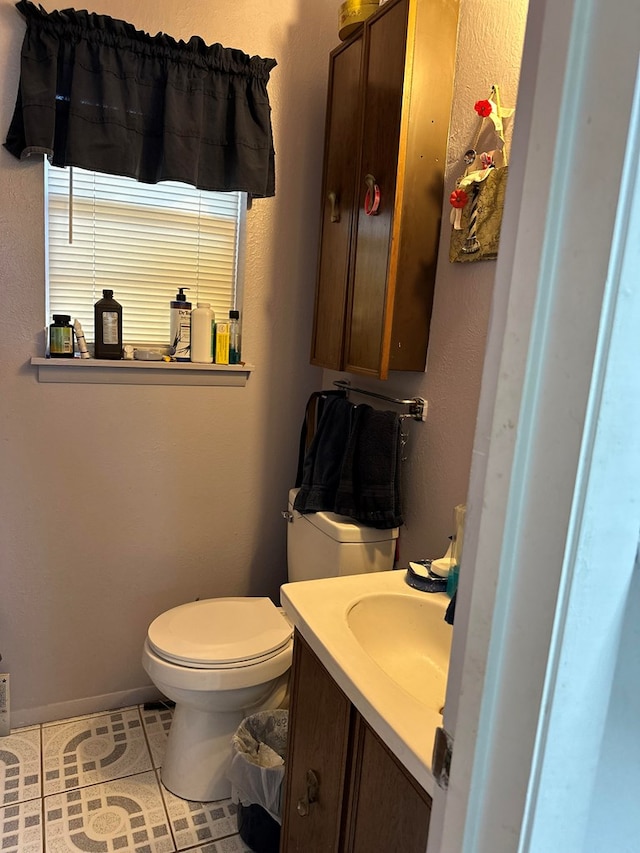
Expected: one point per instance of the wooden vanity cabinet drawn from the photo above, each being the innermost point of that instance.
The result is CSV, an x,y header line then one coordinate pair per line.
x,y
345,792
387,126
318,742
388,809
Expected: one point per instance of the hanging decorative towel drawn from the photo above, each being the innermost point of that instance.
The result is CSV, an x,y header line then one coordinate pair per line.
x,y
478,198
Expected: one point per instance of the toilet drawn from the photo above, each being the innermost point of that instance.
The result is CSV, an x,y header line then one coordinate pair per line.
x,y
221,659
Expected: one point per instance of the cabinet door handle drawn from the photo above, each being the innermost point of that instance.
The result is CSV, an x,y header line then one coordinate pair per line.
x,y
372,196
335,208
311,794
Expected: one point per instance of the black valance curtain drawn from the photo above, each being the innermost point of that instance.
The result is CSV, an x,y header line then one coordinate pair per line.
x,y
97,93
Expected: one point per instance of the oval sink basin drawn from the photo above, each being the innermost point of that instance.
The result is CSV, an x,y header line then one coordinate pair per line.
x,y
408,639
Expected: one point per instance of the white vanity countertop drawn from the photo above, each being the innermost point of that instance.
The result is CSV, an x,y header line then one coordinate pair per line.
x,y
319,609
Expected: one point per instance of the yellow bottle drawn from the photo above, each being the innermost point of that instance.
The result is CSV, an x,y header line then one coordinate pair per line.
x,y
222,342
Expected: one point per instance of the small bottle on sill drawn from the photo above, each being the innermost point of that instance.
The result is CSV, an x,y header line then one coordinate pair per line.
x,y
61,337
234,337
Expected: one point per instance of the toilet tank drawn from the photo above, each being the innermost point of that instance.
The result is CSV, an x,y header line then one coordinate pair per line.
x,y
324,545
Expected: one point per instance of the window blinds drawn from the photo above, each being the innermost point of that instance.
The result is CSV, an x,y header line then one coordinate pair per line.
x,y
143,241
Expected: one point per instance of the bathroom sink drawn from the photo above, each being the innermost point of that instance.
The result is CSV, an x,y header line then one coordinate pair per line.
x,y
408,639
386,646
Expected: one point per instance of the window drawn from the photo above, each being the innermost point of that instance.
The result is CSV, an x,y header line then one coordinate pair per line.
x,y
143,241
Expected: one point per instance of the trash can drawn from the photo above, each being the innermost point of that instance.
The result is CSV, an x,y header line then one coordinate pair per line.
x,y
256,773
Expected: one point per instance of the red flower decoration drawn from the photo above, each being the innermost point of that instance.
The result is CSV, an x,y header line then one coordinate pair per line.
x,y
483,108
458,198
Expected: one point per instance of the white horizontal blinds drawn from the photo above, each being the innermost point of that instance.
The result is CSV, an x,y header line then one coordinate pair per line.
x,y
143,241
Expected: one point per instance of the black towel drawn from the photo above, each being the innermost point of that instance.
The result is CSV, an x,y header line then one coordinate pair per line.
x,y
449,616
312,416
369,489
323,461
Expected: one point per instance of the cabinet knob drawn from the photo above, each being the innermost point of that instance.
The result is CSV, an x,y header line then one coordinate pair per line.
x,y
372,196
311,794
335,209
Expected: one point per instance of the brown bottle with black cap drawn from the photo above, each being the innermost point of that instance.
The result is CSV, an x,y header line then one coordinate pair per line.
x,y
108,326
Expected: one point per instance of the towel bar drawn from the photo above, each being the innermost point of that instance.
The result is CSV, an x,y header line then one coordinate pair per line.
x,y
417,405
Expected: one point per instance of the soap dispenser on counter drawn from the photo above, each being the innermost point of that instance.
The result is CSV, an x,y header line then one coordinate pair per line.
x,y
459,514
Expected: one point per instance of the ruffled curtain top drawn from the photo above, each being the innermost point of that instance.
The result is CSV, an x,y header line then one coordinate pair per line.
x,y
97,93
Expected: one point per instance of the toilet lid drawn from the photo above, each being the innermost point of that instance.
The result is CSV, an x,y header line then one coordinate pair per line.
x,y
219,632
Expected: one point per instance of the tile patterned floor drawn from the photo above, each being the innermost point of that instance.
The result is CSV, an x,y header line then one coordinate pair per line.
x,y
91,784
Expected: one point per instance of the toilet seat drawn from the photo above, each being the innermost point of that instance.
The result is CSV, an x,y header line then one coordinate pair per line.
x,y
220,633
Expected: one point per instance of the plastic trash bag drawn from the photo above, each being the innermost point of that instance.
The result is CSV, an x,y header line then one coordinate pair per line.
x,y
258,760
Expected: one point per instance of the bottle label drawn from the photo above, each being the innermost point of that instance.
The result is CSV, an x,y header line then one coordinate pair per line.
x,y
222,343
183,346
61,340
110,327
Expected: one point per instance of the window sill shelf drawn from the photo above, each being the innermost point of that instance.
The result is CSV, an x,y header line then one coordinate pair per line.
x,y
102,372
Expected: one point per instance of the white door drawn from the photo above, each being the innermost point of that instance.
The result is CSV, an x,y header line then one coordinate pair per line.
x,y
546,735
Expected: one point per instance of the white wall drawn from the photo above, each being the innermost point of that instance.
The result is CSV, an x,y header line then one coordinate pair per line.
x,y
117,502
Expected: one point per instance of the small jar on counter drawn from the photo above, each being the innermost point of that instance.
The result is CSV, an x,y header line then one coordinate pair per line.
x,y
61,337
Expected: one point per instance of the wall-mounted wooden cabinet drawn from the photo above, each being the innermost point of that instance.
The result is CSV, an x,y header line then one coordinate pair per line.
x,y
345,792
386,138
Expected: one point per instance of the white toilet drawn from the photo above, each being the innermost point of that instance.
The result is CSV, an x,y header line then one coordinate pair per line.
x,y
222,659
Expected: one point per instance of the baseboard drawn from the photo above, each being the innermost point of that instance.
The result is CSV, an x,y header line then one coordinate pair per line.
x,y
81,707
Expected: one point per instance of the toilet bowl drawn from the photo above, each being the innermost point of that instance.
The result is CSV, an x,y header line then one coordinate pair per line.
x,y
219,660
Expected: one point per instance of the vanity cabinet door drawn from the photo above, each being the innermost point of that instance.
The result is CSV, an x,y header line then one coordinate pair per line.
x,y
360,799
317,756
388,810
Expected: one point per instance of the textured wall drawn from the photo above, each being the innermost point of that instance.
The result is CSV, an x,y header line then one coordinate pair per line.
x,y
118,502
